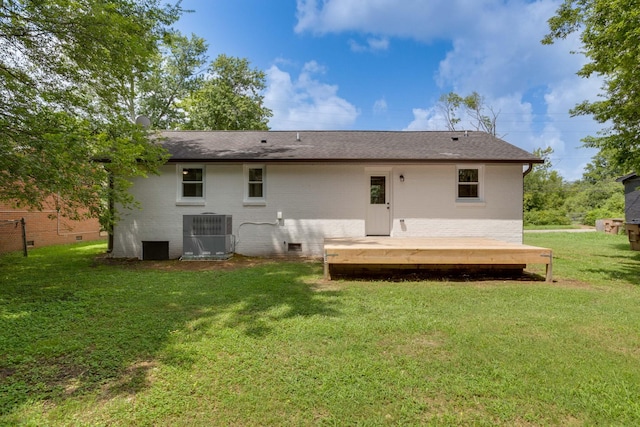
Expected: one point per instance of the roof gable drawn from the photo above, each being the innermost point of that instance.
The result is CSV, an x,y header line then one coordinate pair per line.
x,y
341,146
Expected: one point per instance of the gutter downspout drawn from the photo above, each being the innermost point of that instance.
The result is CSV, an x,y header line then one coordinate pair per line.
x,y
529,169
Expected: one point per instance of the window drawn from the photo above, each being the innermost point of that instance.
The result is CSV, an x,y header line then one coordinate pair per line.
x,y
377,188
256,182
191,183
469,183
255,178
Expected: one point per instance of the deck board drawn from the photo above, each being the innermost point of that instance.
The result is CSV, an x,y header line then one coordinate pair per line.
x,y
433,251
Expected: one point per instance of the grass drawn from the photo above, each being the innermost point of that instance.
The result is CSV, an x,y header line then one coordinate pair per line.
x,y
593,258
88,343
552,227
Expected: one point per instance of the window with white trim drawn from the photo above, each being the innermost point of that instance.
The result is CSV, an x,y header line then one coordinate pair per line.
x,y
469,183
191,186
255,184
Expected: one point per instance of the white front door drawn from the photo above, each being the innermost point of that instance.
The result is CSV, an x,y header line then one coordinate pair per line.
x,y
378,221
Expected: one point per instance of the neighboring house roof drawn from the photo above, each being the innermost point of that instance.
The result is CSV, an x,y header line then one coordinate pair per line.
x,y
341,146
627,177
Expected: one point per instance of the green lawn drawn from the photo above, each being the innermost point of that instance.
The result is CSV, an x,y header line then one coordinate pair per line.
x,y
551,227
83,342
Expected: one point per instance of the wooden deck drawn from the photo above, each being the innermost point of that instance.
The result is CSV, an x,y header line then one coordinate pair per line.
x,y
433,252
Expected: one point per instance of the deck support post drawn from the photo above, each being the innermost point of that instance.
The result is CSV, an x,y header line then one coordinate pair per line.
x,y
326,267
549,277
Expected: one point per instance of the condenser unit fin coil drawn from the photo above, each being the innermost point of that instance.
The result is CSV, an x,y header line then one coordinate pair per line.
x,y
207,225
207,236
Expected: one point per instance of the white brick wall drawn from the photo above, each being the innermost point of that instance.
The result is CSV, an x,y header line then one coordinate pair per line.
x,y
323,200
424,205
505,230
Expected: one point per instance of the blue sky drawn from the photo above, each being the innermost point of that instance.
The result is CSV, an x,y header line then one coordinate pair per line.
x,y
383,64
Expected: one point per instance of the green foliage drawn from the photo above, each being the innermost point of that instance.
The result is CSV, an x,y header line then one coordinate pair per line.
x,y
65,68
584,196
229,99
449,105
546,217
544,193
548,199
553,227
89,342
602,168
472,107
613,207
599,213
74,73
544,190
597,195
609,33
174,74
615,203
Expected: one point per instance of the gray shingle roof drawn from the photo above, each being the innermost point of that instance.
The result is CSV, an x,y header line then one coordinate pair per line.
x,y
627,177
341,146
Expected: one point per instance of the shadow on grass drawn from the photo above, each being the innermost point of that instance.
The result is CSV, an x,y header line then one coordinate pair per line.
x,y
67,328
624,265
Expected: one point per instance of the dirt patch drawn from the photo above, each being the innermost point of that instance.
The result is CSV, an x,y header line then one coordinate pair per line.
x,y
573,283
233,263
6,373
134,379
239,261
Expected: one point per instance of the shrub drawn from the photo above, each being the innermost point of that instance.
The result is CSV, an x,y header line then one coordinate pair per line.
x,y
547,217
601,213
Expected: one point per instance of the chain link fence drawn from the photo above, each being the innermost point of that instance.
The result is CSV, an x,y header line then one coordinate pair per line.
x,y
13,235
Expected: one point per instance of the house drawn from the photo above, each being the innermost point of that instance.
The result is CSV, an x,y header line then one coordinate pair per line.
x,y
631,184
284,192
43,228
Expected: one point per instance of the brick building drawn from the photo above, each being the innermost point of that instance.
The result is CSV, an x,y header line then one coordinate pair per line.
x,y
284,192
43,228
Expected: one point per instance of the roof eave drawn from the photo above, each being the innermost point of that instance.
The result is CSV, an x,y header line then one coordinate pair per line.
x,y
627,177
327,160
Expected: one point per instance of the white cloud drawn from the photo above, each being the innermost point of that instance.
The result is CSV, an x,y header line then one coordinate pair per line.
x,y
380,106
374,44
410,18
570,157
426,119
312,67
495,50
496,44
515,122
305,102
505,55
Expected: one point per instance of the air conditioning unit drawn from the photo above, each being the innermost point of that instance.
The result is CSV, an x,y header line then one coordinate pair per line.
x,y
207,236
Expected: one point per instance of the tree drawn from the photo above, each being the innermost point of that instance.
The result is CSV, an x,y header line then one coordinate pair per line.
x,y
588,201
474,109
602,169
544,192
609,34
175,73
229,99
449,105
597,194
65,68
